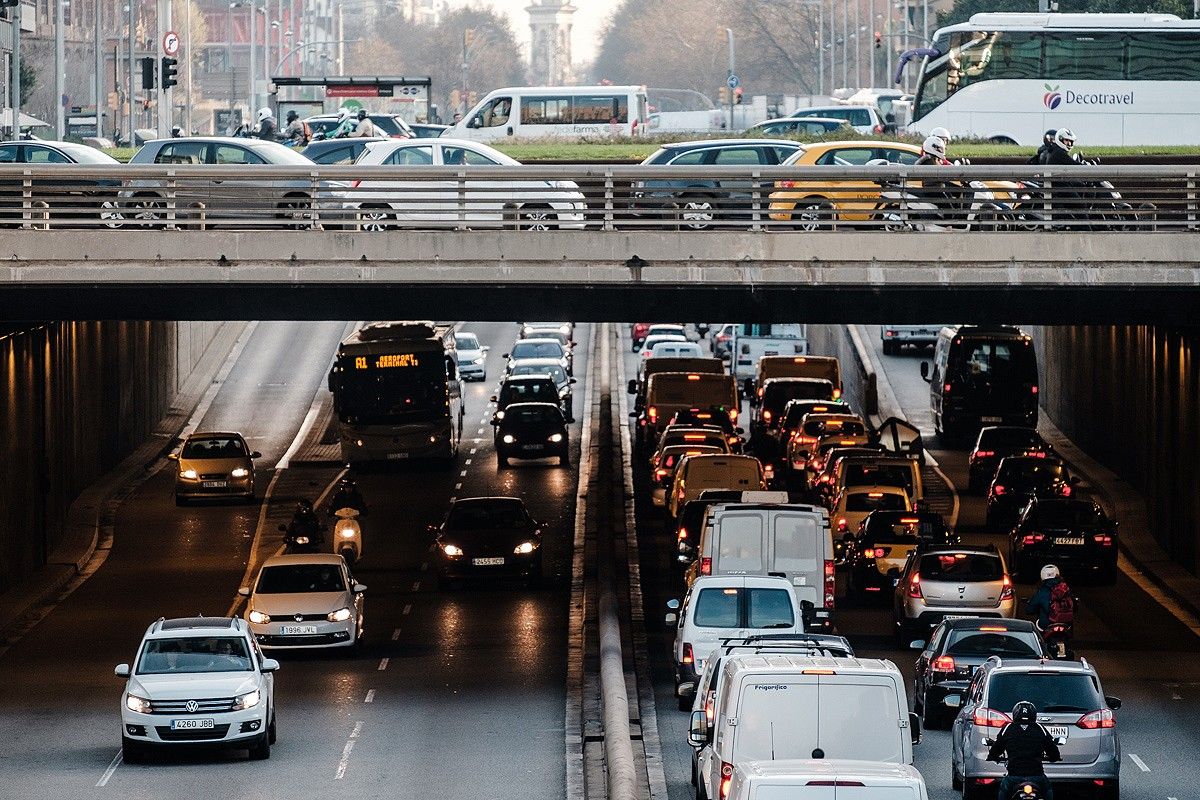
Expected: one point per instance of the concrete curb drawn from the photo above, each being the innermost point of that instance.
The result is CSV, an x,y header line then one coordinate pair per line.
x,y
94,507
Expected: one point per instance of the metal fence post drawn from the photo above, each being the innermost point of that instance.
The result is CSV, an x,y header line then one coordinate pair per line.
x,y
1047,202
756,201
43,213
314,208
462,200
171,186
201,216
26,199
608,199
904,198
1191,201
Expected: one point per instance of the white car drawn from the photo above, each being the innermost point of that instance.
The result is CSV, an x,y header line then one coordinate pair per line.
x,y
813,779
529,349
198,681
675,349
565,328
472,356
305,600
402,202
864,119
659,338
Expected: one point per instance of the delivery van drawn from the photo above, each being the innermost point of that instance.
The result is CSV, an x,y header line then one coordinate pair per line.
x,y
826,779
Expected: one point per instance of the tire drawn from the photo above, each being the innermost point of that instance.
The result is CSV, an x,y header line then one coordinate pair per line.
x,y
260,750
375,219
891,349
110,213
1108,575
697,212
955,781
537,218
889,218
1110,791
147,210
684,703
271,730
564,459
932,718
501,461
132,752
298,209
814,214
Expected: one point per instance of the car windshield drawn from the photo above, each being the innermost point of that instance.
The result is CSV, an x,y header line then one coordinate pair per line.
x,y
536,349
1009,439
214,447
300,579
1008,644
963,567
528,392
872,501
533,415
1029,472
776,394
466,341
555,371
195,654
555,334
1050,692
1068,515
86,155
486,516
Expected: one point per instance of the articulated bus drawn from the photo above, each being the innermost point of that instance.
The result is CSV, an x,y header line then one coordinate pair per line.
x,y
396,393
1113,79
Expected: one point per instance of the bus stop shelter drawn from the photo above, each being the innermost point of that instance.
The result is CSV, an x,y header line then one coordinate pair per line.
x,y
410,96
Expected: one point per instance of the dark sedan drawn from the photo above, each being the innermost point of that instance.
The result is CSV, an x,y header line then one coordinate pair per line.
x,y
76,199
955,648
997,442
1073,534
532,430
338,151
1020,479
486,537
885,538
526,389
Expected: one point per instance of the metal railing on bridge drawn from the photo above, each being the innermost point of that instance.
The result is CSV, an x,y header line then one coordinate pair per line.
x,y
881,197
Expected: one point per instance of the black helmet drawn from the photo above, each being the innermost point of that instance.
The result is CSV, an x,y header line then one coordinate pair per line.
x,y
362,113
1024,713
304,506
291,115
1048,136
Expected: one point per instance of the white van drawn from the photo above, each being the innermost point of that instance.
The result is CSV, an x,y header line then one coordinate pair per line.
x,y
776,707
554,112
791,541
826,779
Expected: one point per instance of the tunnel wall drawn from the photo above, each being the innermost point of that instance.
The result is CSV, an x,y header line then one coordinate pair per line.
x,y
1130,397
78,397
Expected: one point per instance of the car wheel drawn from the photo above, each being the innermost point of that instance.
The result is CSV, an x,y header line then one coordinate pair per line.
x,y
374,218
1111,790
501,461
1108,575
813,214
260,750
537,218
111,214
271,731
131,751
955,781
298,209
564,459
697,213
932,718
890,349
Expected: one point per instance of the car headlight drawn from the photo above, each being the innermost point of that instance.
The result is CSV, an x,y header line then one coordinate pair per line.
x,y
525,548
139,704
258,617
564,391
247,700
190,474
565,330
556,437
452,550
508,438
479,360
341,615
499,415
301,540
240,472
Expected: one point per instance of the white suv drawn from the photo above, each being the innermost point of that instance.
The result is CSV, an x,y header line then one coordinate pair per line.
x,y
198,681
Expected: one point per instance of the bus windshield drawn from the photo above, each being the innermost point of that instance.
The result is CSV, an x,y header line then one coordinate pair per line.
x,y
415,393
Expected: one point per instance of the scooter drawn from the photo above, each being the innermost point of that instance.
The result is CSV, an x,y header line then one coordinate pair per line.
x,y
347,535
302,542
959,207
1081,205
1058,639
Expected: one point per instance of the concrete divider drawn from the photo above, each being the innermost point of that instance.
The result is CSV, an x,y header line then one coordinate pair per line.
x,y
859,381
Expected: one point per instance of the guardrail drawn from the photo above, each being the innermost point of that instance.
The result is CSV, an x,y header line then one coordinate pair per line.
x,y
891,198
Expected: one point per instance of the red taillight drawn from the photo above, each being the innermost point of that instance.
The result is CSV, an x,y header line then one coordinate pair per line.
x,y
1102,718
998,489
837,394
1006,589
841,523
767,416
1103,539
990,718
652,412
1065,490
1033,390
890,334
660,473
355,184
687,653
984,453
682,533
706,566
726,779
943,664
914,586
785,184
1032,538
878,129
830,584
946,388
733,412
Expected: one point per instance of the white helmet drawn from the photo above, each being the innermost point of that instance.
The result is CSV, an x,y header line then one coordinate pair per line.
x,y
1049,572
934,146
942,134
263,113
1064,138
343,113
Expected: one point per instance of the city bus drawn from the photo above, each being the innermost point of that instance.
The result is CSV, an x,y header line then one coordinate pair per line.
x,y
396,393
1113,79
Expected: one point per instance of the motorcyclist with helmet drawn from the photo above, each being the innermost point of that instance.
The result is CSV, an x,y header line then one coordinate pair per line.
x,y
1047,143
305,530
1058,150
267,127
348,496
933,150
1026,744
1042,603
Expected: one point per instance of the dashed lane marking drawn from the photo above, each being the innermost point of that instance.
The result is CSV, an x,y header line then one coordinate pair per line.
x,y
370,698
407,609
467,462
396,635
474,450
462,474
1140,764
457,486
383,662
480,432
108,773
358,726
417,586
344,761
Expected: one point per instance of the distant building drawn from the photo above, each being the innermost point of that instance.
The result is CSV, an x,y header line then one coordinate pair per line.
x,y
550,42
423,12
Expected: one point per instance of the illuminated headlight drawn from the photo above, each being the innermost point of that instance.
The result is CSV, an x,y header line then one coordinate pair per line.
x,y
190,474
508,438
341,615
347,533
247,700
452,550
525,548
358,442
565,330
499,415
433,439
556,437
240,472
301,540
139,704
258,617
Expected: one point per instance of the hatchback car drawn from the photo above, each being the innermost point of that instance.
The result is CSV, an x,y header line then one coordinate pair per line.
x,y
799,126
524,349
198,682
1071,705
1020,479
667,459
557,335
488,537
532,430
854,504
866,120
472,356
337,151
997,442
213,465
70,200
1074,534
305,600
525,389
955,649
940,583
553,367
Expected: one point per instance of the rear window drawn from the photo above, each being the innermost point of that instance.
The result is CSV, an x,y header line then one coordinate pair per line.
x,y
1008,644
718,473
741,543
902,529
537,350
965,567
797,543
1030,472
1009,360
776,395
531,392
1068,515
716,608
555,371
1009,438
883,502
1051,692
769,608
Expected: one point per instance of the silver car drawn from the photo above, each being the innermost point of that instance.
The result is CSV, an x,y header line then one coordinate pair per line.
x,y
1071,705
940,583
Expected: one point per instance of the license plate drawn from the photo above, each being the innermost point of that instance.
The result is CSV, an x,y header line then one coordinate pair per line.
x,y
1069,540
299,630
958,616
396,456
191,724
991,420
1059,731
531,447
488,562
215,484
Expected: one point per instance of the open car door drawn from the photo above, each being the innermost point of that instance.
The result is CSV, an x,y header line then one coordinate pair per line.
x,y
899,438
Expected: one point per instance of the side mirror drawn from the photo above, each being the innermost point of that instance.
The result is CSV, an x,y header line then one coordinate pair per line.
x,y
698,731
494,399
487,348
914,727
244,591
673,604
122,671
953,701
572,380
505,355
270,665
359,588
173,457
1112,702
925,371
916,644
256,454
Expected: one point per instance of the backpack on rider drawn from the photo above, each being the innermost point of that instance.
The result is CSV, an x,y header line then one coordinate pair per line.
x,y
1062,605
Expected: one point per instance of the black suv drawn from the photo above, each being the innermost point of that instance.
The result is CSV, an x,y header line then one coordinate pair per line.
x,y
528,389
1020,479
532,430
1072,533
877,555
998,442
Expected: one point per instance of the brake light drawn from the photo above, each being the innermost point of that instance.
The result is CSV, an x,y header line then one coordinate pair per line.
x,y
1102,718
874,494
878,129
660,473
984,453
1033,390
835,783
767,416
652,412
830,584
998,489
733,412
837,394
881,552
990,718
914,586
909,520
842,523
682,533
943,664
818,672
801,439
1006,589
890,334
693,377
993,628
787,184
687,653
1103,539
1065,490
694,437
946,388
1032,538
706,566
726,779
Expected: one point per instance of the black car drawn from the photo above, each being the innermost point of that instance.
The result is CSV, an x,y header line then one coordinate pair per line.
x,y
768,405
338,151
876,556
532,430
710,417
997,442
1071,533
955,648
75,199
527,389
1020,479
553,368
488,536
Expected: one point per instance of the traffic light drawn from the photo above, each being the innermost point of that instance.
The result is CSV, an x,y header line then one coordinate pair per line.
x,y
723,94
878,40
148,77
737,96
170,72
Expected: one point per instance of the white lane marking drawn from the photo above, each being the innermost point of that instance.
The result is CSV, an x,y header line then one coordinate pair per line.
x,y
480,431
302,434
407,609
112,767
424,566
396,635
370,698
344,761
417,586
1140,764
462,474
474,450
357,730
467,462
383,664
457,486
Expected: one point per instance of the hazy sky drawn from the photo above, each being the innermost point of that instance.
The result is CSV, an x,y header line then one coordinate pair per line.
x,y
590,17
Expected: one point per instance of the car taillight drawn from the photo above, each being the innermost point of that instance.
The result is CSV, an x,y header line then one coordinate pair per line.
x,y
652,412
1032,538
1033,390
1065,490
706,566
726,779
687,653
682,533
801,439
943,664
767,416
990,718
998,489
785,184
914,586
660,473
946,388
889,333
837,394
1006,589
878,129
984,453
355,184
733,412
841,523
881,552
1103,539
830,584
1102,718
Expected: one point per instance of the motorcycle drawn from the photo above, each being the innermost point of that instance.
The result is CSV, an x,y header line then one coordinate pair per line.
x,y
1027,791
298,540
1093,205
347,535
1058,638
957,206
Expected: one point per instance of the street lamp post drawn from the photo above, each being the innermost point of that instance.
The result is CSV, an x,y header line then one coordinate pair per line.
x,y
60,69
132,9
229,60
253,94
732,71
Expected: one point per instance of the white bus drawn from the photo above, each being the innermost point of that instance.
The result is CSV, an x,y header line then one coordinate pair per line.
x,y
553,112
1113,79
